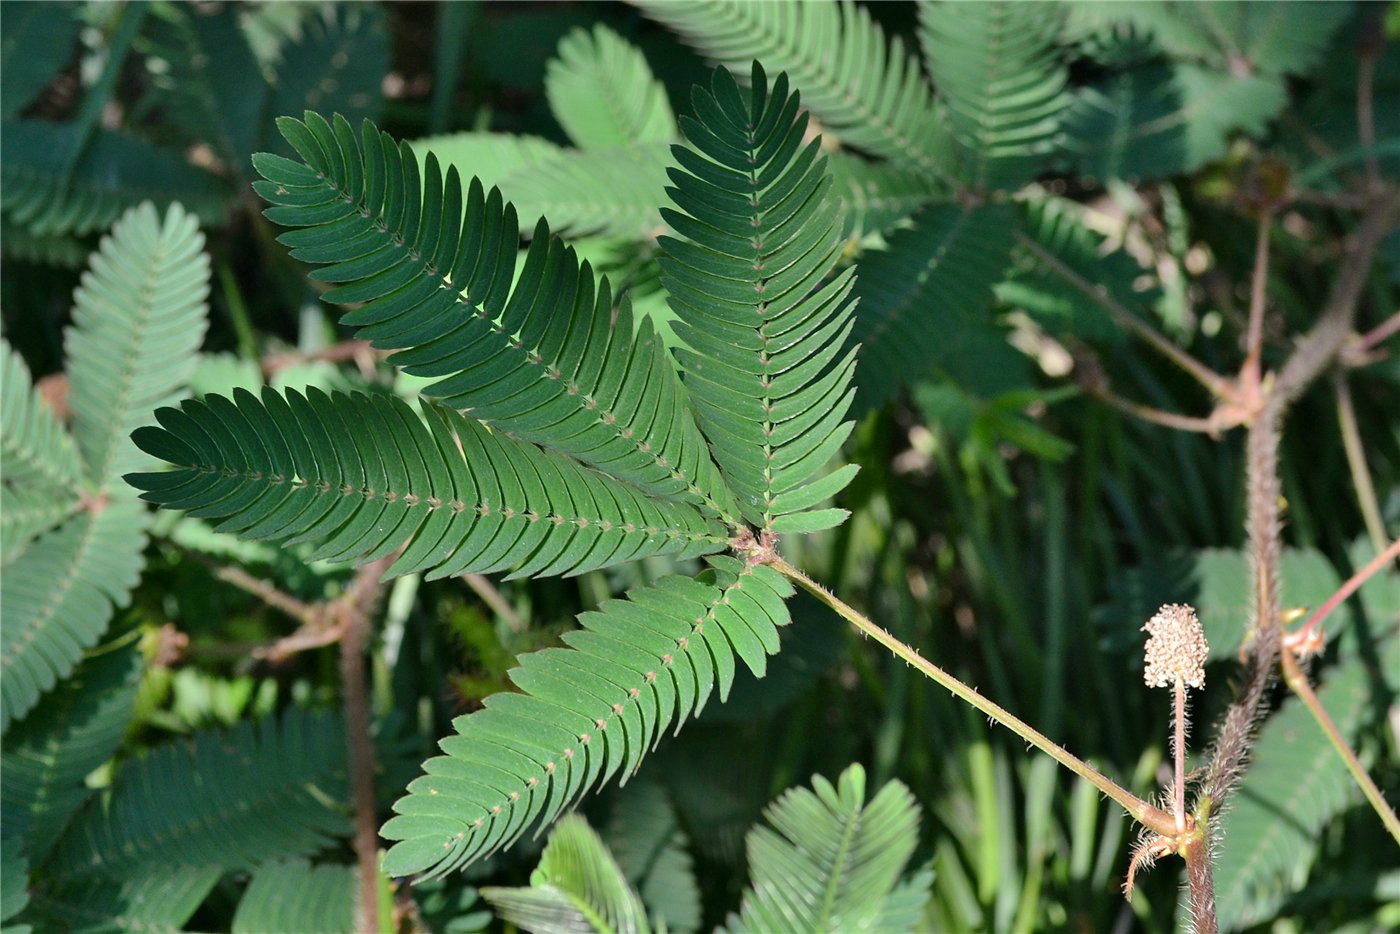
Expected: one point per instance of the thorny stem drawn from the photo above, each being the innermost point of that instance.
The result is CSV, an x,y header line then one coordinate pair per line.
x,y
1217,384
1147,413
1353,583
1297,679
1356,461
1150,816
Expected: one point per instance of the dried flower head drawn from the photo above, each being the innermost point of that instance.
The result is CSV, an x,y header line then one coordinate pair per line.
x,y
1176,648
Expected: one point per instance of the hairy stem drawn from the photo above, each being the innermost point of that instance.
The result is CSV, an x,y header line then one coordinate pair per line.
x,y
1294,675
1148,815
1200,885
1250,372
1179,753
1217,384
1356,461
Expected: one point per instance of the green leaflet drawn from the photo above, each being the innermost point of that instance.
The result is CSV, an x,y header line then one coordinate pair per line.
x,y
751,282
14,883
652,849
39,40
117,171
161,899
997,69
577,886
865,89
941,268
139,316
602,92
293,895
361,476
47,756
38,454
59,595
832,861
211,85
587,713
226,799
546,359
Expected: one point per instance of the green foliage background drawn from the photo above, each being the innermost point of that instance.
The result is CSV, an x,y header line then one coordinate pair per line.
x,y
1014,529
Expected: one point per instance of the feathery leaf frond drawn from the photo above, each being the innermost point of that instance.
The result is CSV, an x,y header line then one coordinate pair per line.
x,y
831,859
997,68
603,93
116,172
226,798
293,895
861,86
587,713
47,756
615,191
361,476
548,360
161,899
14,882
752,283
944,266
139,315
36,452
577,886
59,595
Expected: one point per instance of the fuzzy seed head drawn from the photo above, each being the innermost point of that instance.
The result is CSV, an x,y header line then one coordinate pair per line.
x,y
1176,648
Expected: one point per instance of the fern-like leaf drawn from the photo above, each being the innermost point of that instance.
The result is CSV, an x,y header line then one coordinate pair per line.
x,y
751,283
863,87
361,476
1128,126
47,756
59,596
293,895
139,316
210,84
646,838
940,269
577,886
39,39
160,900
831,860
14,883
117,171
587,713
225,799
878,195
602,92
35,450
546,360
997,68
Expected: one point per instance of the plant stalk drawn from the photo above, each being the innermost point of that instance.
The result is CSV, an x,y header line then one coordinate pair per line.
x,y
1150,816
1298,680
1356,460
1353,583
1179,753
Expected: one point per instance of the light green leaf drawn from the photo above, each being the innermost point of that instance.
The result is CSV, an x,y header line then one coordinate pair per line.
x,y
603,93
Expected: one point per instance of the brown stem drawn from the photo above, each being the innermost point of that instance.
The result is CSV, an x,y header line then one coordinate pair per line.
x,y
1250,372
361,352
1379,333
1297,680
1192,423
352,613
1199,883
1217,384
305,613
1356,461
499,605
